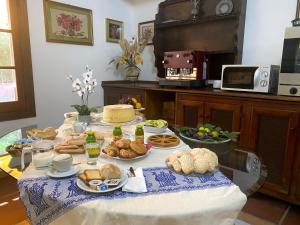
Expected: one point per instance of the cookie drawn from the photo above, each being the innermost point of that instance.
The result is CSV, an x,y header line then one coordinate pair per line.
x,y
127,154
138,148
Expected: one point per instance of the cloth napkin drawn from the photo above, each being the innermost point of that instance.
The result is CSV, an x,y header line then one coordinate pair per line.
x,y
136,184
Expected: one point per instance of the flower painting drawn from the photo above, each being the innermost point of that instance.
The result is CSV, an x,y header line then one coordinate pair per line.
x,y
114,30
68,24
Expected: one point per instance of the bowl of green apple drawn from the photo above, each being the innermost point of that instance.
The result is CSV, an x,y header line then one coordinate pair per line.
x,y
207,134
156,126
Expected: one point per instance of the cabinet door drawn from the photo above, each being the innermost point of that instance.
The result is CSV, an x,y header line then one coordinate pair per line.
x,y
273,138
226,116
189,113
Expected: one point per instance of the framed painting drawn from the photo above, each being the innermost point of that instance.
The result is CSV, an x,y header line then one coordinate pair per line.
x,y
145,27
68,24
114,30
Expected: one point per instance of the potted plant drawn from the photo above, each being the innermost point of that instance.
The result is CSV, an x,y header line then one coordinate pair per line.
x,y
84,89
131,56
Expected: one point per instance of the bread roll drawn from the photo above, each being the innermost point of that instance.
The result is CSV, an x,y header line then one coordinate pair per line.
x,y
110,171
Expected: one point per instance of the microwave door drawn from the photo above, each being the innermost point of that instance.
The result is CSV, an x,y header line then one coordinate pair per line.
x,y
291,56
243,78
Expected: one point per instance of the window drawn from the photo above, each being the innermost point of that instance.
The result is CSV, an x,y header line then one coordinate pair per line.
x,y
16,83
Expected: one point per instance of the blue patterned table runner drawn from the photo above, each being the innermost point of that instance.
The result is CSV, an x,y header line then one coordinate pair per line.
x,y
46,199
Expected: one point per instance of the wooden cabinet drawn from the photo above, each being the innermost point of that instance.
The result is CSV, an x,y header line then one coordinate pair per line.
x,y
269,125
273,138
189,113
226,114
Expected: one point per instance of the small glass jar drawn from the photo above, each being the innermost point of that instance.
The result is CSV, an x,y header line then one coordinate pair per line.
x,y
117,133
139,134
92,148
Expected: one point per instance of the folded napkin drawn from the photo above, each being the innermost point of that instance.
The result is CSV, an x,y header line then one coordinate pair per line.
x,y
136,184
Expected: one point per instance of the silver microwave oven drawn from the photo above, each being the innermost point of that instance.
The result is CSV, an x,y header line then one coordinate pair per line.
x,y
262,79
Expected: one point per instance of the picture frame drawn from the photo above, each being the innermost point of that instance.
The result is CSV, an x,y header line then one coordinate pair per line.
x,y
298,9
114,30
149,26
68,24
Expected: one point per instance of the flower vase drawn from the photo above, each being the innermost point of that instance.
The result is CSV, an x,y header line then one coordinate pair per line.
x,y
86,119
132,73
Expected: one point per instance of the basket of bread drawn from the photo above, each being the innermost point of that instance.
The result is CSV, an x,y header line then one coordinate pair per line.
x,y
125,149
198,160
48,133
108,177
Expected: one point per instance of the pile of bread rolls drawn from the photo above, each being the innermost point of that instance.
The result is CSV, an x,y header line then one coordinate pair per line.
x,y
198,160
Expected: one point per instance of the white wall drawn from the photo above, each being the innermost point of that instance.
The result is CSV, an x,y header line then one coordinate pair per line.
x,y
266,21
52,62
265,24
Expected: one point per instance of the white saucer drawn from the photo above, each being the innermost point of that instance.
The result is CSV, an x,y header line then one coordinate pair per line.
x,y
55,174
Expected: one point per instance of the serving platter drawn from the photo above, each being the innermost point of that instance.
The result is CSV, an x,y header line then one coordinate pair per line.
x,y
127,159
138,119
84,187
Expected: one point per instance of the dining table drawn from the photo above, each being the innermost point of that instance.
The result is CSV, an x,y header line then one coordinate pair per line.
x,y
214,198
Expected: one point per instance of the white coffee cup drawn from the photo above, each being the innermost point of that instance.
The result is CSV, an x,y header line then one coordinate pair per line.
x,y
62,163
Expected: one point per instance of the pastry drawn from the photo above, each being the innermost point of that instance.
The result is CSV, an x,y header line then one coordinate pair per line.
x,y
138,148
111,150
199,160
93,174
187,163
76,139
62,146
163,140
123,143
118,113
71,151
110,171
127,154
99,136
48,133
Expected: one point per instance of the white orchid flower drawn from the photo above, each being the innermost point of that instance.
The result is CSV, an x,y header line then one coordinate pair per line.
x,y
76,85
87,68
88,75
81,92
86,81
89,88
93,82
70,77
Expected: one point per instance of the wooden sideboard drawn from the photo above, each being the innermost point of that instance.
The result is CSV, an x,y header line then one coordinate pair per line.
x,y
269,125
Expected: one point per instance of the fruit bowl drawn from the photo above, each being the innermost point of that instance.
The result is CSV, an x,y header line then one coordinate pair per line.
x,y
208,134
156,126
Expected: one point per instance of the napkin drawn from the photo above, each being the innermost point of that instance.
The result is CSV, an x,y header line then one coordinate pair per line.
x,y
136,184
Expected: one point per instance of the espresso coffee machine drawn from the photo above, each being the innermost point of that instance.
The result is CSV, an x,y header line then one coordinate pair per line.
x,y
186,68
289,77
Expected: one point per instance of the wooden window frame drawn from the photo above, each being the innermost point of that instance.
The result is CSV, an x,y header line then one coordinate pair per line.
x,y
24,107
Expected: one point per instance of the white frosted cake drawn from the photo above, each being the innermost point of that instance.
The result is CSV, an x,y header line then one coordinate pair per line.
x,y
118,113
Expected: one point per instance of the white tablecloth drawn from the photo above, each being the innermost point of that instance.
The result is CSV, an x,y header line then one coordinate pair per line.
x,y
217,206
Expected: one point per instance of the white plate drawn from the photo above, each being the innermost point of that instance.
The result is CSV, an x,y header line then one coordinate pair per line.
x,y
138,119
84,187
55,174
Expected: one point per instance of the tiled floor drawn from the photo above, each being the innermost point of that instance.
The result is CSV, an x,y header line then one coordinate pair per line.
x,y
264,210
